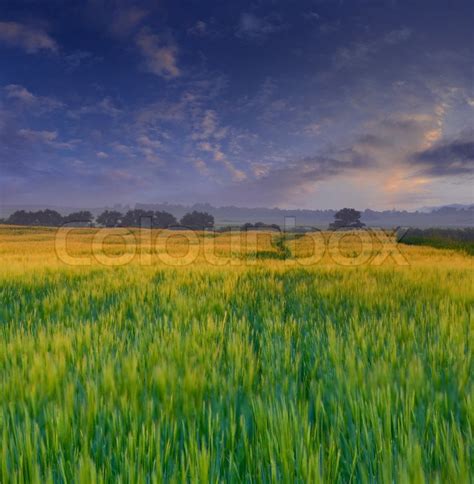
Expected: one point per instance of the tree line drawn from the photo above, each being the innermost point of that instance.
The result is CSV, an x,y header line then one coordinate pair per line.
x,y
347,218
111,218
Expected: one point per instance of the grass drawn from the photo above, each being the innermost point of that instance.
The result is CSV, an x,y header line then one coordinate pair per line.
x,y
453,239
253,372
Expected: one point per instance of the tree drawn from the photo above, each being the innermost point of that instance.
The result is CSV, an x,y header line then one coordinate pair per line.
x,y
198,220
48,218
110,218
20,217
82,218
45,218
163,220
347,218
260,226
134,218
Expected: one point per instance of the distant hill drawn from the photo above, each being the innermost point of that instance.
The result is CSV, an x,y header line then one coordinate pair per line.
x,y
455,215
457,206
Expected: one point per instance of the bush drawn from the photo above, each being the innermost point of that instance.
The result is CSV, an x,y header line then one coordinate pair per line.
x,y
110,218
198,220
163,220
83,218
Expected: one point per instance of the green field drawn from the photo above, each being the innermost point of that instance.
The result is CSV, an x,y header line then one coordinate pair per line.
x,y
259,372
453,239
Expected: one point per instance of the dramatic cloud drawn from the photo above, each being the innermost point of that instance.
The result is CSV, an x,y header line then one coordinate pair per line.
x,y
295,178
382,156
454,158
31,39
160,58
388,146
256,103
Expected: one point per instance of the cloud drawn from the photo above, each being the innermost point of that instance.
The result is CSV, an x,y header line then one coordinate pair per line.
x,y
15,91
31,39
49,138
294,178
325,26
155,113
270,105
126,20
121,175
312,129
102,155
176,111
397,36
160,59
43,136
22,95
312,16
76,58
148,148
381,156
26,153
449,158
404,153
252,27
119,18
201,167
105,107
199,29
144,148
390,141
362,51
145,141
208,127
208,132
123,149
220,157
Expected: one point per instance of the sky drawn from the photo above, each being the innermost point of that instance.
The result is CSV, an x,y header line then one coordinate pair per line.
x,y
293,104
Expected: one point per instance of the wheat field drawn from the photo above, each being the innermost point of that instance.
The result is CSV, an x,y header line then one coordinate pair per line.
x,y
239,365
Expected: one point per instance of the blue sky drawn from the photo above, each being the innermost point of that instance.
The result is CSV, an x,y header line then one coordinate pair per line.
x,y
305,103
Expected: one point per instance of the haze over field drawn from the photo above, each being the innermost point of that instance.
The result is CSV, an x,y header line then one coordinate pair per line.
x,y
314,104
448,216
